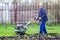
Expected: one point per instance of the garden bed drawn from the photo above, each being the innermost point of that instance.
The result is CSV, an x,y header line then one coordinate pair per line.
x,y
32,37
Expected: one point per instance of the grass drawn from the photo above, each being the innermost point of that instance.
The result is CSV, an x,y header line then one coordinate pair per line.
x,y
8,30
53,28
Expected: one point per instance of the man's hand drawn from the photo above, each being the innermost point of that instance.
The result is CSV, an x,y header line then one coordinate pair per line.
x,y
39,18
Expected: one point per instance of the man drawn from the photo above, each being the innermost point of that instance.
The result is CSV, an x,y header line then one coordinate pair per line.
x,y
42,17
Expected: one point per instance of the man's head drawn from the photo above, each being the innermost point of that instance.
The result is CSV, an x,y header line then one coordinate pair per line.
x,y
40,5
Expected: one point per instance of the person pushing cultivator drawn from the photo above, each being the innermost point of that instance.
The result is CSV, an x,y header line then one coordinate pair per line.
x,y
43,18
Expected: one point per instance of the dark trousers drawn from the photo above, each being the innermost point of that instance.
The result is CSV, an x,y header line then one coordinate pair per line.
x,y
42,27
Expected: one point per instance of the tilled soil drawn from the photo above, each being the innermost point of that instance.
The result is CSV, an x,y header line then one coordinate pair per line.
x,y
33,37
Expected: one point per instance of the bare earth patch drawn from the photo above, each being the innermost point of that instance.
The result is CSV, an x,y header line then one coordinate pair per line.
x,y
33,37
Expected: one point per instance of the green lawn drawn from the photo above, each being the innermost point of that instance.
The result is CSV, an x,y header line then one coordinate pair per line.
x,y
8,30
54,28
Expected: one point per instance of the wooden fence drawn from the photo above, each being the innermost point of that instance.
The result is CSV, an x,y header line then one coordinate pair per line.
x,y
21,13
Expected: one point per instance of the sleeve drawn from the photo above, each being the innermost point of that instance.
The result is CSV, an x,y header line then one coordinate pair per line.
x,y
39,15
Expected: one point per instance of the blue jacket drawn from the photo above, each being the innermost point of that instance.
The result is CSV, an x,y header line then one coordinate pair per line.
x,y
42,14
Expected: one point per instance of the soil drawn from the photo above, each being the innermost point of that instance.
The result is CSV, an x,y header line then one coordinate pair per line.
x,y
33,37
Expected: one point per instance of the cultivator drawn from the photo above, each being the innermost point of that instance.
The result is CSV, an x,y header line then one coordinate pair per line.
x,y
20,28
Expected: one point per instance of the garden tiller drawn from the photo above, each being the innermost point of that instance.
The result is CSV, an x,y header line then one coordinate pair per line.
x,y
21,29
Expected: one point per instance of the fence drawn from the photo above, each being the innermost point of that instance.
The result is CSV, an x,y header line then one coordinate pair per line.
x,y
18,12
5,12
